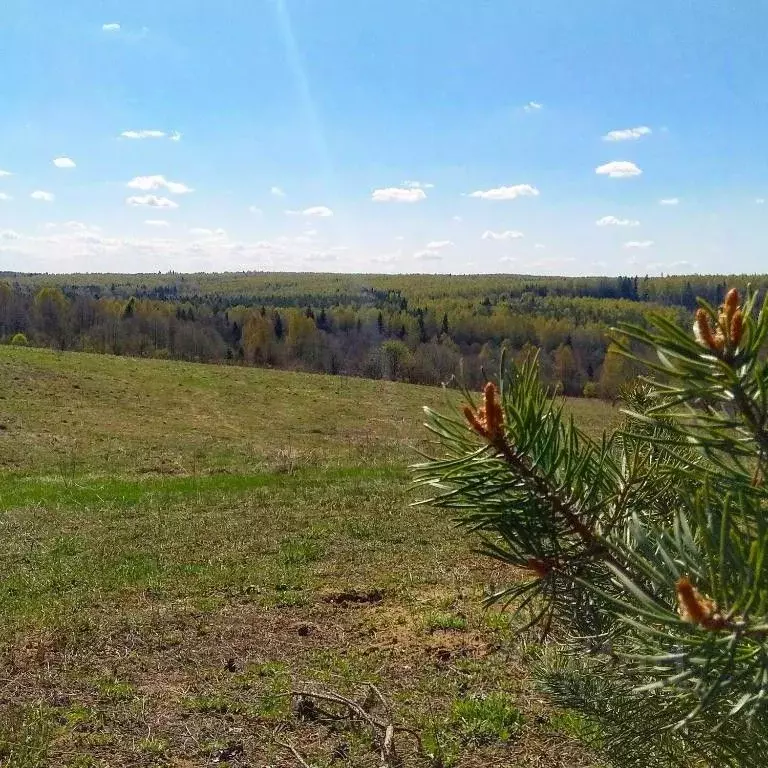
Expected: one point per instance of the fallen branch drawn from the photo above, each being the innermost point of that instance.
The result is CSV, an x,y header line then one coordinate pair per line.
x,y
384,732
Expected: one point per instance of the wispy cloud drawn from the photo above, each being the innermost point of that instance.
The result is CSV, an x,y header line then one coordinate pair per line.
x,y
507,234
144,134
418,185
46,197
5,173
151,201
319,211
64,162
427,255
112,27
759,200
613,221
618,169
627,134
276,192
506,193
398,195
438,245
148,183
255,210
10,234
457,218
638,244
669,201
157,223
205,232
533,106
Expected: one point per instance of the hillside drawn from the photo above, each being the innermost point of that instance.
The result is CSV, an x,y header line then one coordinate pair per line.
x,y
182,544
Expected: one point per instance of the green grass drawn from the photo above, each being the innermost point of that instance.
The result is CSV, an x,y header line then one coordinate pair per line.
x,y
182,544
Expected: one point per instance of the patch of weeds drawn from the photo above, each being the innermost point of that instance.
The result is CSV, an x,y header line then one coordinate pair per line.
x,y
288,600
255,674
498,620
97,739
352,668
26,734
484,720
441,747
156,748
78,716
273,705
435,621
574,724
83,761
300,550
115,690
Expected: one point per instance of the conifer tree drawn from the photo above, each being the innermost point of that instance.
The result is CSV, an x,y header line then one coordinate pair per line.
x,y
643,556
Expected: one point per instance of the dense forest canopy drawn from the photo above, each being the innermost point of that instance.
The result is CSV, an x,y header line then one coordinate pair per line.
x,y
418,328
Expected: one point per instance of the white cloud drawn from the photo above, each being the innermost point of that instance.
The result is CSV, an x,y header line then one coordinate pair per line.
x,y
320,211
151,201
613,221
5,173
427,255
147,183
539,246
437,245
669,201
618,169
276,192
255,210
10,234
204,232
64,162
398,195
77,226
508,234
759,200
399,238
387,258
145,134
4,196
457,218
113,27
46,197
418,185
627,134
157,223
639,244
533,106
507,193
175,136
508,258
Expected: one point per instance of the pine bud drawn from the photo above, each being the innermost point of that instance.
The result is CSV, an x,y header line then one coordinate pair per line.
x,y
694,608
487,421
737,327
703,332
731,303
474,422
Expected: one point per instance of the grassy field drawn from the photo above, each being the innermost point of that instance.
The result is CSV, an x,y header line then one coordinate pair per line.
x,y
183,545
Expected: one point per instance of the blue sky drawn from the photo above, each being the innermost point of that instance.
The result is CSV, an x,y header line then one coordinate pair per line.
x,y
384,136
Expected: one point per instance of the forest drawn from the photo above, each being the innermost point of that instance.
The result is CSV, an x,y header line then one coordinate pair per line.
x,y
421,329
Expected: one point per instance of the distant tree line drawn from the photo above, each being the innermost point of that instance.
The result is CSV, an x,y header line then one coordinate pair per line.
x,y
421,329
